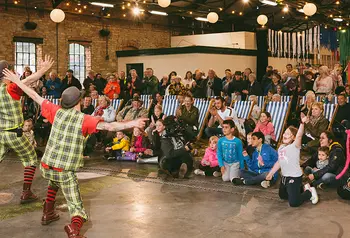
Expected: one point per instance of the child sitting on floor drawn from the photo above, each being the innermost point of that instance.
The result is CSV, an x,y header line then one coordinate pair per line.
x,y
140,146
119,146
209,165
158,114
266,127
29,133
250,148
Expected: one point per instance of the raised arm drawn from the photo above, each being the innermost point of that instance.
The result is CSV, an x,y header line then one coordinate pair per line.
x,y
300,132
45,65
30,92
119,126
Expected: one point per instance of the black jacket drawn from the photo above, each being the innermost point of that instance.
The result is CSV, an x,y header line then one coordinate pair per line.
x,y
75,82
343,113
255,89
336,161
216,86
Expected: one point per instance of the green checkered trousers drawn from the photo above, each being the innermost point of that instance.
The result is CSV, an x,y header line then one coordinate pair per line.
x,y
68,183
64,156
20,145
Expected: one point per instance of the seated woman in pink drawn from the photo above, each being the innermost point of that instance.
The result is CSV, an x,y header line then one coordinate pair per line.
x,y
266,127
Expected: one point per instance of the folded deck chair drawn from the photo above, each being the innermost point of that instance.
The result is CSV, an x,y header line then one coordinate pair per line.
x,y
203,108
243,109
329,111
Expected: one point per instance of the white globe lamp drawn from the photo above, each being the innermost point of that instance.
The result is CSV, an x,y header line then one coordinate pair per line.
x,y
309,9
164,3
57,15
262,19
212,17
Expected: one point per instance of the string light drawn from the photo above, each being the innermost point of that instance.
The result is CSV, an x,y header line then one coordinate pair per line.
x,y
76,9
85,7
15,2
233,12
306,17
337,2
347,24
128,4
285,9
325,27
220,9
331,15
67,4
144,1
136,11
79,3
240,13
123,7
191,13
79,11
339,28
124,15
245,1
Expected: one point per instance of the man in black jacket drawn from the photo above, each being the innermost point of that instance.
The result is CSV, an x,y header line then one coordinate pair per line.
x,y
254,87
212,85
70,81
341,118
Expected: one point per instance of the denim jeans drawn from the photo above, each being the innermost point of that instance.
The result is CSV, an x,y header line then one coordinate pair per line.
x,y
252,178
327,178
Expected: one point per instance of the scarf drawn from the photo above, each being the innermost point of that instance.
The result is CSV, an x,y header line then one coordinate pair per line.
x,y
99,111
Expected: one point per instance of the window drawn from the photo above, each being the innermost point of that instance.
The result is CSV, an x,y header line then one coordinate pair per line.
x,y
77,60
25,56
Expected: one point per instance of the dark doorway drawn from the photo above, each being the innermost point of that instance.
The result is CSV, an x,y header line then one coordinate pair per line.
x,y
137,67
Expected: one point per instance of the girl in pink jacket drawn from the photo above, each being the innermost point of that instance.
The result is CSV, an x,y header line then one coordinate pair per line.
x,y
266,127
209,165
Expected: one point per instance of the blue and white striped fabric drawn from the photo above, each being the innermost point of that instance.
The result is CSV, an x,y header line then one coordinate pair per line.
x,y
261,101
329,110
335,99
278,111
203,106
170,106
147,103
94,102
285,98
56,101
169,96
116,103
318,99
243,108
145,97
48,97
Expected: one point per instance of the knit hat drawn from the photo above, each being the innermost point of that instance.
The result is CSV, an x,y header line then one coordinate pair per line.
x,y
3,65
70,97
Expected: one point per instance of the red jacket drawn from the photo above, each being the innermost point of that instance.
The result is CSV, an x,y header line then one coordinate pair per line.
x,y
110,91
266,129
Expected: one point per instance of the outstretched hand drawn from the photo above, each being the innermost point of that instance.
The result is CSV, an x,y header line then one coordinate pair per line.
x,y
11,76
47,63
140,122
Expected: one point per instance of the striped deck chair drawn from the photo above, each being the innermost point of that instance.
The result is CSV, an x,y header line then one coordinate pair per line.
x,y
261,101
303,99
279,113
169,96
56,101
286,98
48,97
203,108
329,111
94,102
170,106
243,108
117,104
335,100
147,101
145,97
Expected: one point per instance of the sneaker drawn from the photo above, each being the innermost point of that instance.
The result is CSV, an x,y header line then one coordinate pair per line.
x,y
314,196
217,174
199,172
321,186
265,184
237,181
111,158
307,187
183,170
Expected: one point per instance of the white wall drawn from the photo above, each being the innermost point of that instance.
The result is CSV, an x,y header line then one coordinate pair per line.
x,y
238,40
181,63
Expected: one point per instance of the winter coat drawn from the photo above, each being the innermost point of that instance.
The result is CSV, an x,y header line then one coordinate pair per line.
x,y
122,144
266,129
211,157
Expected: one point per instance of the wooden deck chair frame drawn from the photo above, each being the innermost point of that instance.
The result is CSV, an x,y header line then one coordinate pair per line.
x,y
205,120
284,122
333,117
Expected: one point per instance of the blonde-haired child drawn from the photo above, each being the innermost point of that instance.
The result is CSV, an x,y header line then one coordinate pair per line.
x,y
119,146
209,165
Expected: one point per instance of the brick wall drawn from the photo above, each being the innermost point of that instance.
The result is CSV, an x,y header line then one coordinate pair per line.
x,y
124,35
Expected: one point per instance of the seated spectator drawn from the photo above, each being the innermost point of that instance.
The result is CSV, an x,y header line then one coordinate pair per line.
x,y
188,80
323,154
112,87
129,103
139,146
134,111
347,90
309,81
175,157
255,115
100,83
237,86
324,82
163,84
254,87
267,79
336,75
276,80
336,162
134,84
43,92
290,73
90,79
87,107
219,113
306,107
158,114
259,163
230,154
104,110
209,165
94,95
228,77
342,118
53,85
150,82
157,100
276,98
269,96
266,127
249,148
188,113
176,87
315,124
246,74
70,81
212,85
279,90
118,147
197,89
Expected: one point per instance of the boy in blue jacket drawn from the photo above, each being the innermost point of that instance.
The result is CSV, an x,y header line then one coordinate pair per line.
x,y
260,163
230,153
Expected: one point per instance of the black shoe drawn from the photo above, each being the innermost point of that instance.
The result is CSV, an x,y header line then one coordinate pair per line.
x,y
183,170
237,181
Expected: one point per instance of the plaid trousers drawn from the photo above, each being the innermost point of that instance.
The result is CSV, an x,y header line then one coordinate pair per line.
x,y
21,145
67,181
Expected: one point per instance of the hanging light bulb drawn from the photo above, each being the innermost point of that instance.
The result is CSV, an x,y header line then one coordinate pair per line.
x,y
309,9
212,17
262,20
245,1
136,11
164,3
